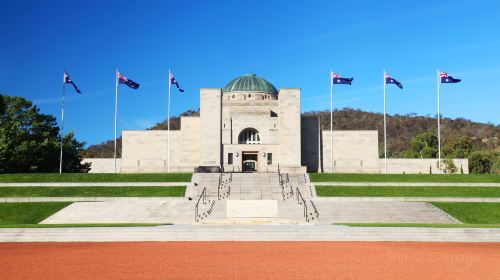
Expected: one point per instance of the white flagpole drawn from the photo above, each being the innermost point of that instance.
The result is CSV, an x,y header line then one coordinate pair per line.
x,y
331,120
385,126
438,119
116,110
62,122
168,123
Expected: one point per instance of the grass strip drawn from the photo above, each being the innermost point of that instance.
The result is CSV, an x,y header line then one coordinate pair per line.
x,y
28,213
78,225
472,212
411,178
392,191
93,177
174,191
422,225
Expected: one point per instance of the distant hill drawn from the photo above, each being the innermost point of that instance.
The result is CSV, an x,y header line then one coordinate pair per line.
x,y
400,129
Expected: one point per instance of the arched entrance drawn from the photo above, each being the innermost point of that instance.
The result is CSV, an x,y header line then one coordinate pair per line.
x,y
249,159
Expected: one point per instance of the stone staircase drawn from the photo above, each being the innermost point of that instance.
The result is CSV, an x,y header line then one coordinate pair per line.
x,y
252,186
380,212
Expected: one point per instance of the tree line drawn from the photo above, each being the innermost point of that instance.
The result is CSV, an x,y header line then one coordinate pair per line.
x,y
30,141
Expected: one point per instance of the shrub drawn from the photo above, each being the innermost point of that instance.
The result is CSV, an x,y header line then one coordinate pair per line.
x,y
481,162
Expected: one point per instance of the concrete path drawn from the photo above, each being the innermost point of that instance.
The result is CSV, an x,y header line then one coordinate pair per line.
x,y
386,199
82,199
401,199
97,184
401,184
250,233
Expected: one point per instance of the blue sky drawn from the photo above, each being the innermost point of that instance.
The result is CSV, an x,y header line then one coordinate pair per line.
x,y
207,43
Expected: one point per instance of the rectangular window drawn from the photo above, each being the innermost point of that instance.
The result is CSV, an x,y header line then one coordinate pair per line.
x,y
269,158
230,158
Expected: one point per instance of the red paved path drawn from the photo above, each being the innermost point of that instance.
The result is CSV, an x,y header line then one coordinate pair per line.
x,y
250,260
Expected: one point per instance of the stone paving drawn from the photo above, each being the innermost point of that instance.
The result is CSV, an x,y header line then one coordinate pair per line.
x,y
249,233
402,184
97,184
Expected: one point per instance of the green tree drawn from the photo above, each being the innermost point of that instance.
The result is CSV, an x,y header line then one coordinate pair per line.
x,y
29,140
424,145
459,147
448,166
481,162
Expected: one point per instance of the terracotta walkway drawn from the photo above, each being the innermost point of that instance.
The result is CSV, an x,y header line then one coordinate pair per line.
x,y
250,260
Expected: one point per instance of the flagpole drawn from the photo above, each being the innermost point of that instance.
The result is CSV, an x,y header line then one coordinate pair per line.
x,y
116,110
385,126
438,119
62,122
331,121
168,123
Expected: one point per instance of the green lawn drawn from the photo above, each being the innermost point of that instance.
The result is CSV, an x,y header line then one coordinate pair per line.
x,y
93,177
177,191
472,212
438,178
390,191
423,225
28,213
77,225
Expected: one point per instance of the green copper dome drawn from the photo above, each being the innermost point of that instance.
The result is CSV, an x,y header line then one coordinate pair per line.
x,y
250,83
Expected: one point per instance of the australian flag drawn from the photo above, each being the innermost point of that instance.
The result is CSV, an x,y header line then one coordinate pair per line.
x,y
123,80
336,79
391,80
68,80
447,79
173,81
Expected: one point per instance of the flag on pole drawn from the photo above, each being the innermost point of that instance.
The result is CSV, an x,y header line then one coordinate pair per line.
x,y
391,80
337,79
173,81
123,80
447,79
68,80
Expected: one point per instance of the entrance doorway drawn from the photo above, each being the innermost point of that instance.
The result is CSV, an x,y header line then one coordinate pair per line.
x,y
249,161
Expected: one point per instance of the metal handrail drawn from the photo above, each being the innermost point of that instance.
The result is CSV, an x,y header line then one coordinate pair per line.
x,y
315,209
224,184
197,206
304,202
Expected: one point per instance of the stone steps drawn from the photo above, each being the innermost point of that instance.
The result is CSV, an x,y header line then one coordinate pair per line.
x,y
380,212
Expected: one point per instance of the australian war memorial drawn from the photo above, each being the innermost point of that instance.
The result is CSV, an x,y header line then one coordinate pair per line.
x,y
249,126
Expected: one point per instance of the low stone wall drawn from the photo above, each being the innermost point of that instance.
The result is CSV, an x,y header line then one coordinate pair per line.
x,y
103,165
419,165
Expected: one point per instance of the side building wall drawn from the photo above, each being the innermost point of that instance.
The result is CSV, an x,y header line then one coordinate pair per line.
x,y
354,151
419,165
145,151
103,165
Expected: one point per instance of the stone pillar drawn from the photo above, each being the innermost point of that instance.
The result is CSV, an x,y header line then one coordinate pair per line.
x,y
289,127
210,130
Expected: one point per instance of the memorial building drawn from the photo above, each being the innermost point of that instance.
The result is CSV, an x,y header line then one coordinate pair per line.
x,y
249,126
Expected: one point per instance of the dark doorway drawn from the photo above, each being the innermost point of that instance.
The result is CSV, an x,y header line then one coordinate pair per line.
x,y
249,161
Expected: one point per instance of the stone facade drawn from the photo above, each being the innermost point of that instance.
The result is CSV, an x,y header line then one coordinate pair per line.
x,y
250,126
